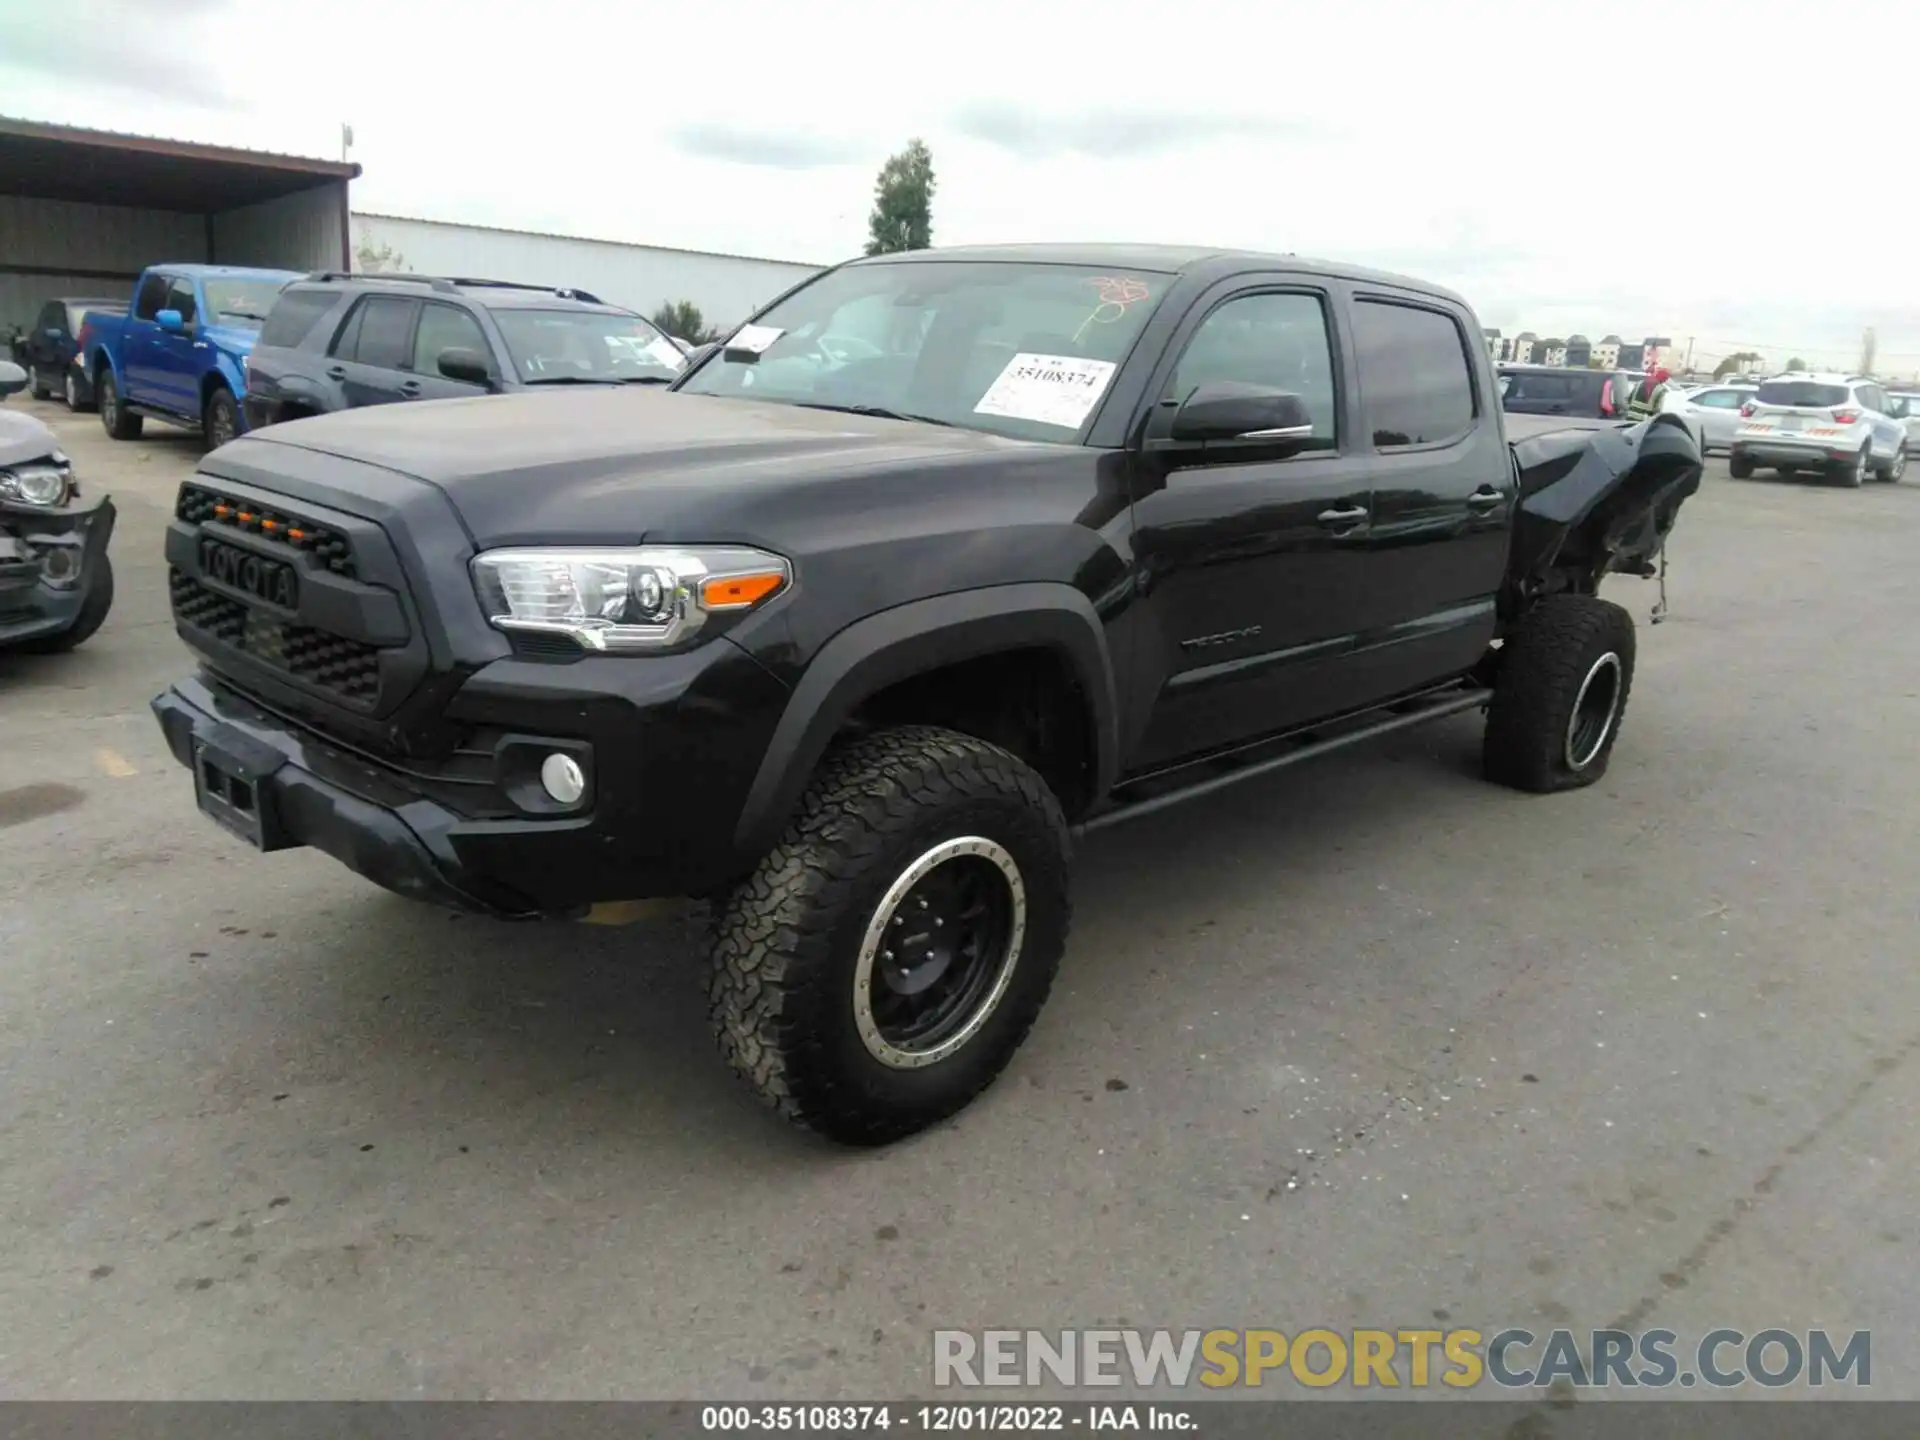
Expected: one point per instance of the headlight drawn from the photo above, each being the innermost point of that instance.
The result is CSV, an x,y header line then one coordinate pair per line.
x,y
36,484
646,598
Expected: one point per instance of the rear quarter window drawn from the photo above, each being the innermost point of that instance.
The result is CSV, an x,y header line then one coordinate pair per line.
x,y
1809,393
1415,386
293,316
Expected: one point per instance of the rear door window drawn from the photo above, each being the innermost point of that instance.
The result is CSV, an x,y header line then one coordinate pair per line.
x,y
380,334
1415,387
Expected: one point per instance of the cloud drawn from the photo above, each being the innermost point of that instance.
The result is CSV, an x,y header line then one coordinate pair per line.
x,y
111,44
1115,133
784,150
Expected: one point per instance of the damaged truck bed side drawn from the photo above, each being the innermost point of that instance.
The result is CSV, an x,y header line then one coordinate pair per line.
x,y
942,560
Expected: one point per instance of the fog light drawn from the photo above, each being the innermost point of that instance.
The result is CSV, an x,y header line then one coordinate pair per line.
x,y
562,778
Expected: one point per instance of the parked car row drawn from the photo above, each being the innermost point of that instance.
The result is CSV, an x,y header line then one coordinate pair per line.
x,y
1845,427
223,349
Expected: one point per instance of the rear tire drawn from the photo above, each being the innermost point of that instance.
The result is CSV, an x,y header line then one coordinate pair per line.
x,y
74,402
1561,691
93,614
39,388
1739,466
115,419
803,1000
1853,473
1894,468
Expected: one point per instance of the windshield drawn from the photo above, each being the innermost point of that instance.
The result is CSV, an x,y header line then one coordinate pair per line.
x,y
552,347
241,302
1015,349
1809,393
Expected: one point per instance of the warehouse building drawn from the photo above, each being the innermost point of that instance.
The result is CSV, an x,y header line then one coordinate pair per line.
x,y
725,288
83,212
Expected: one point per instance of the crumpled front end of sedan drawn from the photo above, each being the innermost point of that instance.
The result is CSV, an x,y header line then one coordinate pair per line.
x,y
53,540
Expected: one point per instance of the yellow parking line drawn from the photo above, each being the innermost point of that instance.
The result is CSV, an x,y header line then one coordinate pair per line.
x,y
114,764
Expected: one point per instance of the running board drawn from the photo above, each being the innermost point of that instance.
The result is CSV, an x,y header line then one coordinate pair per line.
x,y
1308,744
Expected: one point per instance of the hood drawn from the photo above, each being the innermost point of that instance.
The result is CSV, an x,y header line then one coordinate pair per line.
x,y
234,339
23,438
609,464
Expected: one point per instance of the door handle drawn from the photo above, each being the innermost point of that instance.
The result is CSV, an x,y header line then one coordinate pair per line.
x,y
412,387
336,372
1484,499
1348,515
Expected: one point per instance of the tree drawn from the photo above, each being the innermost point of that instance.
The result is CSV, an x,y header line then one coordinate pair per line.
x,y
902,217
373,258
1735,362
1796,363
683,318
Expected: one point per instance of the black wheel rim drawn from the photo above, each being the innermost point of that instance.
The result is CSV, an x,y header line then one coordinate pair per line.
x,y
220,428
939,952
1594,709
109,402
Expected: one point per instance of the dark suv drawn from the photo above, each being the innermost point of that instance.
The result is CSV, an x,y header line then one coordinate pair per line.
x,y
49,349
334,342
1554,390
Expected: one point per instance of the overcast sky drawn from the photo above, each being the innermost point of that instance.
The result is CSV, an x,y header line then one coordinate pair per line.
x,y
1690,169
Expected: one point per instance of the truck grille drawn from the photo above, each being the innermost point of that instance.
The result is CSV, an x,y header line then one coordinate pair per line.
x,y
199,505
349,669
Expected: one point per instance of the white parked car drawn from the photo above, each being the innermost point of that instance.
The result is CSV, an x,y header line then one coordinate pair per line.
x,y
1844,426
1908,404
1712,412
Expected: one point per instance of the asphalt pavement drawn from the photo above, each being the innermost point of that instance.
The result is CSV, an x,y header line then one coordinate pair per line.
x,y
1367,1044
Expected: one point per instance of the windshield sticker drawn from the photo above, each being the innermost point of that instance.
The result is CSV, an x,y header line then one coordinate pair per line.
x,y
1047,389
666,352
1116,294
754,338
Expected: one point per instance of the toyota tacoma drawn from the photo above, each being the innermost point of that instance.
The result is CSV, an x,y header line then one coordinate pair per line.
x,y
939,561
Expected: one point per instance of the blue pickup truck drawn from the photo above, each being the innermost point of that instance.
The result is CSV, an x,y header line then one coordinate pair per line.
x,y
179,354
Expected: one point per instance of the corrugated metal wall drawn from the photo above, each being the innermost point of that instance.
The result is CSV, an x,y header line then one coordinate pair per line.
x,y
58,247
303,231
727,288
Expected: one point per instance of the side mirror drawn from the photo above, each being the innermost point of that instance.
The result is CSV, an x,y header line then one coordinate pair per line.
x,y
170,320
1226,410
468,365
12,378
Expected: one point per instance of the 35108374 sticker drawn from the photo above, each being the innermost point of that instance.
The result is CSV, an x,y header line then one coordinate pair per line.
x,y
754,338
1047,389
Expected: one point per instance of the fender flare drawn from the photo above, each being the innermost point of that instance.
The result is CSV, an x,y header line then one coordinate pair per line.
x,y
225,370
912,639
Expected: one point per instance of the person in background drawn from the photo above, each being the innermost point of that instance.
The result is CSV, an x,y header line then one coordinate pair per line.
x,y
1648,395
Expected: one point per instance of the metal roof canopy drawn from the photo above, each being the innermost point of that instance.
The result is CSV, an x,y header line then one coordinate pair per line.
x,y
104,167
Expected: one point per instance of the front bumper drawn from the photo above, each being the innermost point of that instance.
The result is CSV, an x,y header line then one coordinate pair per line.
x,y
668,744
48,559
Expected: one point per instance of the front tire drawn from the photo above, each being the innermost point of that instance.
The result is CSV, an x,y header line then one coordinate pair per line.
x,y
886,959
1561,690
220,420
115,418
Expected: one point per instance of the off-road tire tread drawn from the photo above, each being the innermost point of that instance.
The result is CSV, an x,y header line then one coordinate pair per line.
x,y
770,939
1541,667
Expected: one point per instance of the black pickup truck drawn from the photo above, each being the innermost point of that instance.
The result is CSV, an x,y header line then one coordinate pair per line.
x,y
941,560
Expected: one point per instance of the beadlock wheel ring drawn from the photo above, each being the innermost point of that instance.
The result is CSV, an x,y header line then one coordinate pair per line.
x,y
1594,711
960,1028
